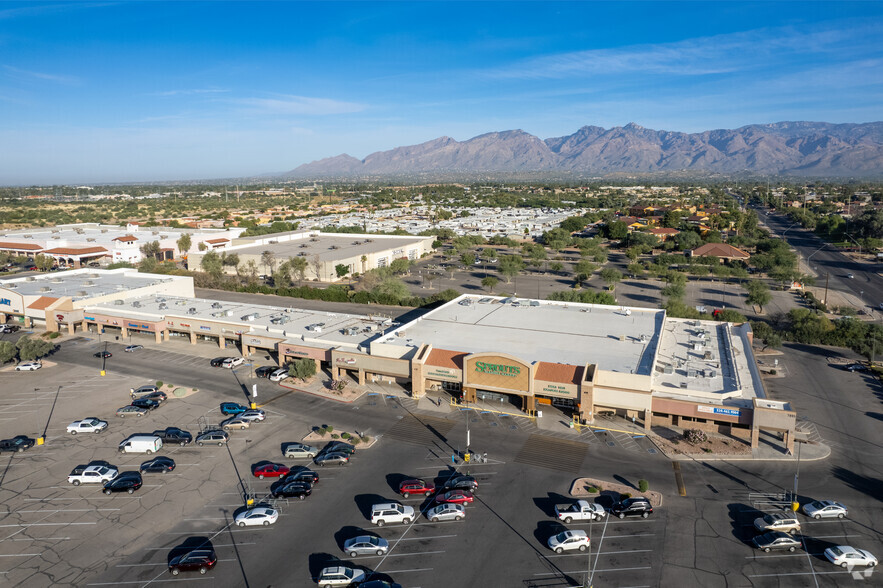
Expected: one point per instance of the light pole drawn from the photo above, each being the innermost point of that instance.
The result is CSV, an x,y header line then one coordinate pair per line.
x,y
797,473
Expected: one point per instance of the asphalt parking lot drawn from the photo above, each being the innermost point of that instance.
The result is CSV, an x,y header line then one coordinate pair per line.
x,y
52,533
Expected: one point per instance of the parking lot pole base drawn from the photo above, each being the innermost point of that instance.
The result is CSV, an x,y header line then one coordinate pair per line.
x,y
795,506
249,502
103,373
41,440
254,405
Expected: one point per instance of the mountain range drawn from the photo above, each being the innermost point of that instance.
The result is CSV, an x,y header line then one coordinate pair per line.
x,y
783,148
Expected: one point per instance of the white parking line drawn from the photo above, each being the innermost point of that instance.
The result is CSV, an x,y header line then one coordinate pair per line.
x,y
218,545
811,573
593,571
22,555
150,581
401,554
158,564
47,524
599,553
422,538
47,510
832,536
407,571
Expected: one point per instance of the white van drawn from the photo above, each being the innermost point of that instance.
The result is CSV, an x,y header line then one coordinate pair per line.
x,y
141,444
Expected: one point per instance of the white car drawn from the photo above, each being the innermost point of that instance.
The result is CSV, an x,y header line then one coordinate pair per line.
x,y
232,362
847,557
260,515
339,576
279,375
28,366
235,422
391,512
569,541
300,450
87,425
446,512
254,414
825,509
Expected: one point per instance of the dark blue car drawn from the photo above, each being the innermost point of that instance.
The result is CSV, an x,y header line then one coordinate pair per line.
x,y
232,408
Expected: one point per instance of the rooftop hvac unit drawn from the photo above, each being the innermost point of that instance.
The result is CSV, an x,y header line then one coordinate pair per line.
x,y
216,305
31,278
12,286
90,239
88,283
668,369
644,338
279,320
684,385
622,337
82,293
163,306
709,373
191,310
692,373
45,289
94,275
250,316
136,304
698,346
119,302
103,230
709,355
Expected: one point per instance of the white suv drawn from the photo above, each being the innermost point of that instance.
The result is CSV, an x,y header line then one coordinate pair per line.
x,y
391,512
232,362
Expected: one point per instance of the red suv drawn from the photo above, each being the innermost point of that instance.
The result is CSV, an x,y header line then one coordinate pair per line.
x,y
201,560
409,487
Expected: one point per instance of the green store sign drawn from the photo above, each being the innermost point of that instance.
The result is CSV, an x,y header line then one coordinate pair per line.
x,y
497,369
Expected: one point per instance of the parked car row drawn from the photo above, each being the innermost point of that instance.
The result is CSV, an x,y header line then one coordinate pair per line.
x,y
227,362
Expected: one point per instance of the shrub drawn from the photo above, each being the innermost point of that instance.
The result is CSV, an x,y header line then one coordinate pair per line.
x,y
335,436
329,428
159,384
695,436
773,372
625,495
706,449
345,435
365,439
321,432
354,440
592,490
54,335
643,485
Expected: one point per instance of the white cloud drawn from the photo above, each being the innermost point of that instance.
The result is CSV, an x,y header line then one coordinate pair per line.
x,y
191,92
300,105
22,74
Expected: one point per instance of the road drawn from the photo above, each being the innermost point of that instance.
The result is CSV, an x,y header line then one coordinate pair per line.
x,y
824,259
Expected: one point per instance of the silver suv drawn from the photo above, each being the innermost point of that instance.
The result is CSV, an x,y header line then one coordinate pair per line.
x,y
777,522
143,391
391,512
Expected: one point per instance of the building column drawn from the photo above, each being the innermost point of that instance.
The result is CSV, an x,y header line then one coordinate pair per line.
x,y
648,417
318,366
193,337
70,328
246,350
789,442
158,335
84,326
469,394
222,343
3,317
361,377
755,437
165,335
27,322
124,332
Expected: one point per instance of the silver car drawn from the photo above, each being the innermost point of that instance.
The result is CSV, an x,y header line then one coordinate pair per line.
x,y
366,545
219,437
446,512
339,576
235,422
127,410
300,450
825,509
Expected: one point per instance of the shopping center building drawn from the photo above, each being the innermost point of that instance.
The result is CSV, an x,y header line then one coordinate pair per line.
x,y
518,355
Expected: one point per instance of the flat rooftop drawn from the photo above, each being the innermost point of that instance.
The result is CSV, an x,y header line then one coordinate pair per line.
x,y
617,339
295,325
96,235
330,247
84,283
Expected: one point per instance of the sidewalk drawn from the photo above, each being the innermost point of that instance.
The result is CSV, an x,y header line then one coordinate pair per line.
x,y
770,448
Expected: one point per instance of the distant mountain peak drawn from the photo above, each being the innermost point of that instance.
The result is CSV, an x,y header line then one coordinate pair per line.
x,y
790,148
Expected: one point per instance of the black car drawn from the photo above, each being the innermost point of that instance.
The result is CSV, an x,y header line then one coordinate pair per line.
x,y
632,507
378,584
302,475
264,371
145,403
125,482
857,367
460,482
103,354
300,489
216,362
339,447
160,464
201,560
174,435
18,443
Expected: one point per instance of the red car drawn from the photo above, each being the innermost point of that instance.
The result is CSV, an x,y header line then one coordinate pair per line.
x,y
270,470
455,497
414,486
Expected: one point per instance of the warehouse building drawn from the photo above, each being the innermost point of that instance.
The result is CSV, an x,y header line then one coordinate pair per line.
x,y
325,251
520,356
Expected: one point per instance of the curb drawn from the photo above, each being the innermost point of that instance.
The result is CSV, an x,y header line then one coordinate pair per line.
x,y
319,395
713,457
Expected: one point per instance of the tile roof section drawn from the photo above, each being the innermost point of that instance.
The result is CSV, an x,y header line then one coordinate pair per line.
x,y
721,250
446,358
24,246
558,372
126,238
215,241
664,231
42,303
76,250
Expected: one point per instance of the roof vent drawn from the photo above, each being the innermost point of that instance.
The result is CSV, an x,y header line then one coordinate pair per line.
x,y
31,278
11,286
191,310
163,306
103,230
118,302
45,289
136,304
90,239
82,293
216,305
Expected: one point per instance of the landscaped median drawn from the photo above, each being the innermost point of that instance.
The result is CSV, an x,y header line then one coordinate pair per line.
x,y
592,487
326,433
173,391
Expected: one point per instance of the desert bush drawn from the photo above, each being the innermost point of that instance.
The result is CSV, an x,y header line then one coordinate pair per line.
x,y
335,436
643,485
592,490
695,436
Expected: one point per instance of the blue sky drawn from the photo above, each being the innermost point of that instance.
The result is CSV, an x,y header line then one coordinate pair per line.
x,y
136,91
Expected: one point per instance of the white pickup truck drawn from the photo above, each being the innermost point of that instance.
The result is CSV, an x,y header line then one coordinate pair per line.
x,y
583,510
92,475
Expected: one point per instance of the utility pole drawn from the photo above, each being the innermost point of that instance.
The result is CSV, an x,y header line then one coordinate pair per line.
x,y
825,301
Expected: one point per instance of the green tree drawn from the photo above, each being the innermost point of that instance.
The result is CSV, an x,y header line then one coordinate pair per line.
x,y
8,351
467,258
211,264
490,283
30,348
44,262
400,266
583,269
758,293
299,267
574,223
303,368
610,276
556,266
616,230
636,269
184,243
151,249
511,266
268,260
341,269
391,289
688,240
